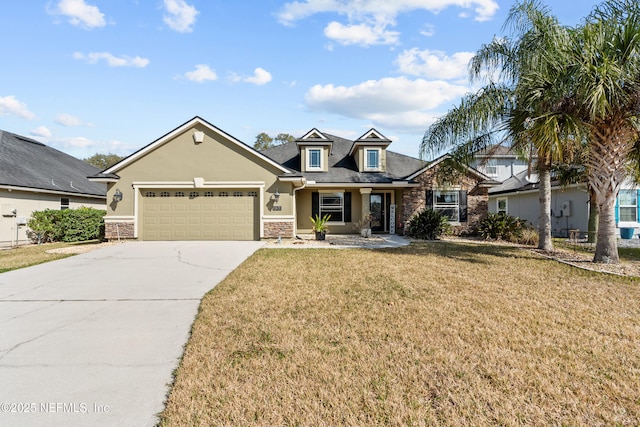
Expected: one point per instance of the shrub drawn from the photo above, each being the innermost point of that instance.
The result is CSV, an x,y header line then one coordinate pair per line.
x,y
45,226
69,225
502,226
427,225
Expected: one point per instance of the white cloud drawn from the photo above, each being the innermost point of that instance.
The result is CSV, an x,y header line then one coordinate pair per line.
x,y
10,106
41,131
201,74
80,14
434,64
260,77
428,30
180,16
380,10
112,60
70,121
398,103
361,34
368,20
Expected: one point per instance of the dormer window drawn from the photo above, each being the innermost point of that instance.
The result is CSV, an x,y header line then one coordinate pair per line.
x,y
372,159
314,159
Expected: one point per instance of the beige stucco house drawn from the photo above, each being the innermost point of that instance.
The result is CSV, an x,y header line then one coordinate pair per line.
x,y
35,177
198,182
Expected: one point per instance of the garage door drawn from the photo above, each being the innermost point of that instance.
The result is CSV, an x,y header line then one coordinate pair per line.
x,y
199,215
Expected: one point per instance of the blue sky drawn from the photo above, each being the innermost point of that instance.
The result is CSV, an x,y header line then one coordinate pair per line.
x,y
88,76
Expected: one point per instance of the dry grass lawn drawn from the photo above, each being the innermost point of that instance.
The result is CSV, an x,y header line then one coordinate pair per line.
x,y
437,333
24,256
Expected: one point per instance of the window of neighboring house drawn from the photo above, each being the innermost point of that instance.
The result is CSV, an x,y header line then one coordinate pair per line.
x,y
332,204
372,159
502,205
314,159
64,203
491,168
628,205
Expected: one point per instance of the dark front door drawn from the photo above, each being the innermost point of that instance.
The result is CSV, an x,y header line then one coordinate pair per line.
x,y
378,210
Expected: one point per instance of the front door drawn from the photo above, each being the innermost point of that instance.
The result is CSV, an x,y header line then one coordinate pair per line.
x,y
377,209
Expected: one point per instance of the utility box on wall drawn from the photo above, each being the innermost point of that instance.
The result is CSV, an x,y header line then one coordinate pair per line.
x,y
565,208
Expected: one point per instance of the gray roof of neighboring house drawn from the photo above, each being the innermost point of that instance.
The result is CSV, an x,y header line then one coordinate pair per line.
x,y
518,182
342,167
27,163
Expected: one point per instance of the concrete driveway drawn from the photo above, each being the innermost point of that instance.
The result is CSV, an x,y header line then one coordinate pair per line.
x,y
92,340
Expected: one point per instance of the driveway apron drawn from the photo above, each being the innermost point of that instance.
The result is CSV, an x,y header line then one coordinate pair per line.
x,y
92,340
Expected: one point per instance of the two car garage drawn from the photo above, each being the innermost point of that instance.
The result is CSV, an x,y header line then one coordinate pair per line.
x,y
187,214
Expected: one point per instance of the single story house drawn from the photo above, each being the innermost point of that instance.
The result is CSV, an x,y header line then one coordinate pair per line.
x,y
35,177
519,196
198,182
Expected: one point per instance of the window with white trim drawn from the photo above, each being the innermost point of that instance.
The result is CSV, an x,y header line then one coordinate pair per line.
x,y
447,202
64,203
372,159
314,159
491,168
502,205
332,204
628,206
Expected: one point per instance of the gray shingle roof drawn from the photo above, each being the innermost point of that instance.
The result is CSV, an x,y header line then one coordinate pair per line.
x,y
25,162
342,167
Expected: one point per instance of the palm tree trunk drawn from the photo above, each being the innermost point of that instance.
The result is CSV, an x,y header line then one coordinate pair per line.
x,y
607,243
593,218
544,220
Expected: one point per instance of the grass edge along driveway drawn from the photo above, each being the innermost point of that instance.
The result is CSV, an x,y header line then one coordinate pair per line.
x,y
434,333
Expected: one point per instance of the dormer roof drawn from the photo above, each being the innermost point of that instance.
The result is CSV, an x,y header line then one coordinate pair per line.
x,y
315,138
371,138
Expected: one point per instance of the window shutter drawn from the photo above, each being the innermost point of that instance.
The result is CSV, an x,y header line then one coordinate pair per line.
x,y
429,199
462,201
347,207
638,205
315,204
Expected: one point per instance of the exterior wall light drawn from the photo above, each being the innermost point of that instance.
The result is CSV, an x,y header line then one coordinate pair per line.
x,y
117,196
276,195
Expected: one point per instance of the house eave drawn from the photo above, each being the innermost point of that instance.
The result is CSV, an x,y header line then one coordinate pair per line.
x,y
46,191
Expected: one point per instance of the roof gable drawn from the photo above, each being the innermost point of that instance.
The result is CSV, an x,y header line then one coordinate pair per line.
x,y
470,170
180,129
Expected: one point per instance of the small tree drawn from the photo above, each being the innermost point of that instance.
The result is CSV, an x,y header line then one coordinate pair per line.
x,y
264,141
103,161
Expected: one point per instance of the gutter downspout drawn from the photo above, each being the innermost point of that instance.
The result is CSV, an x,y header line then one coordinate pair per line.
x,y
303,182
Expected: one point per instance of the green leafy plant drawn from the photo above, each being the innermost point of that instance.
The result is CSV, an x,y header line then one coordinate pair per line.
x,y
320,223
428,224
499,226
69,225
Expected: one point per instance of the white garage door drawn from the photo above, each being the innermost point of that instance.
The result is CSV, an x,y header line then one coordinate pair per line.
x,y
199,215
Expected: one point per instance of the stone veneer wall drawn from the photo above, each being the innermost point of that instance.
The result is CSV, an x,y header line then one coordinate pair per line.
x,y
125,230
277,229
414,200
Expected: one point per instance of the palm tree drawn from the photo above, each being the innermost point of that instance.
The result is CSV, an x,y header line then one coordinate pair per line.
x,y
604,72
508,110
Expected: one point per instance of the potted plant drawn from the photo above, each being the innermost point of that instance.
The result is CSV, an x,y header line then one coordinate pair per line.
x,y
364,226
320,225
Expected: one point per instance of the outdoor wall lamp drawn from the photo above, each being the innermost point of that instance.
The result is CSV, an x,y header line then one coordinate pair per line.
x,y
117,196
276,195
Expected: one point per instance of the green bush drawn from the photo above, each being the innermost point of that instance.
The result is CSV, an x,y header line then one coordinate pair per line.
x,y
69,225
500,226
427,225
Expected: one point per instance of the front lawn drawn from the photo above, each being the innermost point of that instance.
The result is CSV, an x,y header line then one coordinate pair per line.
x,y
25,256
435,333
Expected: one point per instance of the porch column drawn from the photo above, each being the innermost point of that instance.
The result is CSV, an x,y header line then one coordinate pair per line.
x,y
364,193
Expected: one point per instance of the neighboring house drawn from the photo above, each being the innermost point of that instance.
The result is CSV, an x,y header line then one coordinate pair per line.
x,y
519,196
499,162
199,183
35,177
